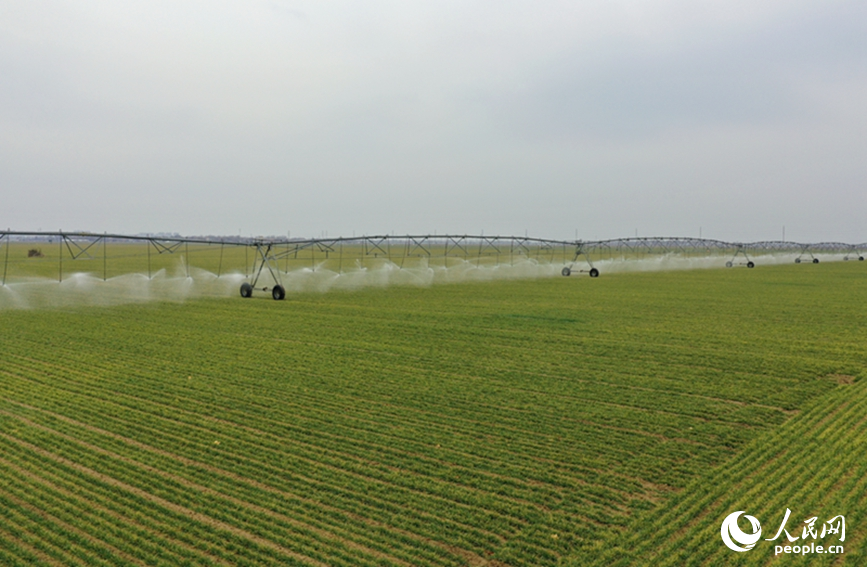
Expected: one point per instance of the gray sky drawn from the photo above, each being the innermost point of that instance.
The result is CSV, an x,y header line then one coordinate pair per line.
x,y
268,116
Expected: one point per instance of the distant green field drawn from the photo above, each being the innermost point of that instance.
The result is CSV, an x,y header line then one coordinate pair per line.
x,y
561,421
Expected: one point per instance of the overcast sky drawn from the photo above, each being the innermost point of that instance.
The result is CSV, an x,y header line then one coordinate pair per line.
x,y
732,117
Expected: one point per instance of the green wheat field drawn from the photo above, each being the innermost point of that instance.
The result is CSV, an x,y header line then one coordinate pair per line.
x,y
554,421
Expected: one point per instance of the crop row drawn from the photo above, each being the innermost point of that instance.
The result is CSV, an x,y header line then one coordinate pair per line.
x,y
464,476
87,500
551,446
812,465
111,408
377,481
242,490
286,538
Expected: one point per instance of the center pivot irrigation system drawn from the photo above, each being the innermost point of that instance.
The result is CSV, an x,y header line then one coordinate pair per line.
x,y
266,260
402,250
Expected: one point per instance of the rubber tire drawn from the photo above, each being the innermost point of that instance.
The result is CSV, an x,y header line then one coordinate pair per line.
x,y
797,260
815,260
278,293
750,265
729,264
246,290
861,258
566,271
594,273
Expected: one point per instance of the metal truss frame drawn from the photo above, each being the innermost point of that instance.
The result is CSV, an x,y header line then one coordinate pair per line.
x,y
573,254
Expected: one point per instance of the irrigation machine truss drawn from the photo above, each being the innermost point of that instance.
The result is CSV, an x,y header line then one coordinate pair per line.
x,y
346,253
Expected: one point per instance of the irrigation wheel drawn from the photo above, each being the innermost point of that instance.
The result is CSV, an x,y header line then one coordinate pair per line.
x,y
246,290
750,264
594,273
815,260
278,292
566,271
